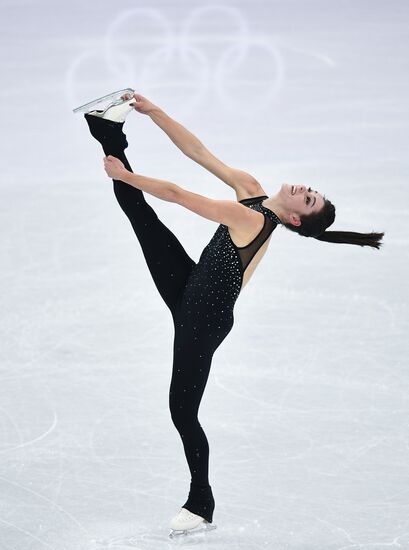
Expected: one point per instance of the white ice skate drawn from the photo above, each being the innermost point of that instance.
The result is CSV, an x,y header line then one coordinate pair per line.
x,y
186,523
112,106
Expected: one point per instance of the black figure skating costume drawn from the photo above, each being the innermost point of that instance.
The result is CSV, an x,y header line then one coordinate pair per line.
x,y
201,299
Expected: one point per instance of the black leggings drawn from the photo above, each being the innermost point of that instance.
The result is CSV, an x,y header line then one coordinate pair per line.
x,y
170,267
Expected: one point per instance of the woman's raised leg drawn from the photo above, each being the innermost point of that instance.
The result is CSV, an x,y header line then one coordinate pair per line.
x,y
167,260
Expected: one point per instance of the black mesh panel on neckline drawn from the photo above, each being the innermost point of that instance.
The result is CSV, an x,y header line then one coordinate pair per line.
x,y
248,252
253,200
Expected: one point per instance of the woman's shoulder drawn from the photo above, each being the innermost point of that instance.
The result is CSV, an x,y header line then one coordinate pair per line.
x,y
250,192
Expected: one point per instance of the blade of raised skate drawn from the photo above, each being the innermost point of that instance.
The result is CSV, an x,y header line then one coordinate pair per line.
x,y
113,98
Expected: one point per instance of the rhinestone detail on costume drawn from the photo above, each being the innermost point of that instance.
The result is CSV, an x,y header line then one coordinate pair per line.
x,y
221,266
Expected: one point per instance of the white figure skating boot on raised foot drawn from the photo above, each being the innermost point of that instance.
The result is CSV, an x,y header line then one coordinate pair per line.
x,y
115,106
187,523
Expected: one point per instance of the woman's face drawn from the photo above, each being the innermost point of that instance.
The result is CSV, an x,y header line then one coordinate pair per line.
x,y
300,200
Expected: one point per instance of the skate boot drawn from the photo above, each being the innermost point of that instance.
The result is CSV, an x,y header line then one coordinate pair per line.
x,y
114,106
186,523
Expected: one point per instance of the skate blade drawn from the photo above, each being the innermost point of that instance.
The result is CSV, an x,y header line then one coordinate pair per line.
x,y
113,99
179,534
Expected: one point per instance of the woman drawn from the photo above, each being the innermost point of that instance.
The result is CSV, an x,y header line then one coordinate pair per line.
x,y
201,296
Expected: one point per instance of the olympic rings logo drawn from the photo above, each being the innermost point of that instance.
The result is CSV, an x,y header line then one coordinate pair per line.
x,y
141,49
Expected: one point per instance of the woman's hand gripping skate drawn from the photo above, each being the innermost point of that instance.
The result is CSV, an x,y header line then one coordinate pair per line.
x,y
142,105
114,168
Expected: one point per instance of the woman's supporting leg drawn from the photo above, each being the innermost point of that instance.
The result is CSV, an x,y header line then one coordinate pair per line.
x,y
189,378
167,260
200,328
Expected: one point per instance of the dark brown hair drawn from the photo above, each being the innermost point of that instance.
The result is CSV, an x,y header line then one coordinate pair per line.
x,y
315,225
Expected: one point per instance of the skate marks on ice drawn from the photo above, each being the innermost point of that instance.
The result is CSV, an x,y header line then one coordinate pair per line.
x,y
140,541
149,540
126,55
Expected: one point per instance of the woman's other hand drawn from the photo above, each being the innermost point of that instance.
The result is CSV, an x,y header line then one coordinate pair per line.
x,y
114,168
142,105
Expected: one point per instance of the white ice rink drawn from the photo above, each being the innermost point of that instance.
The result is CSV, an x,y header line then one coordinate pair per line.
x,y
307,404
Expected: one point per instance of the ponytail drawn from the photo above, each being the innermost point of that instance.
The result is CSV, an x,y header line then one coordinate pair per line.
x,y
350,237
315,225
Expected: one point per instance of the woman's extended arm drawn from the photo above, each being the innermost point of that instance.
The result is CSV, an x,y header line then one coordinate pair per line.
x,y
162,189
230,213
242,182
192,147
189,144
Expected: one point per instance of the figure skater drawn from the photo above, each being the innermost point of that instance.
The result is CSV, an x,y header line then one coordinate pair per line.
x,y
201,296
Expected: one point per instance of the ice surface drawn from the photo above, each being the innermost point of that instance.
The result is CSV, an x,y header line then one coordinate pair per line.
x,y
306,407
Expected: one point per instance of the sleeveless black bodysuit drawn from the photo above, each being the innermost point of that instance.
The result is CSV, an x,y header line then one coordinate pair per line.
x,y
222,264
204,318
200,297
